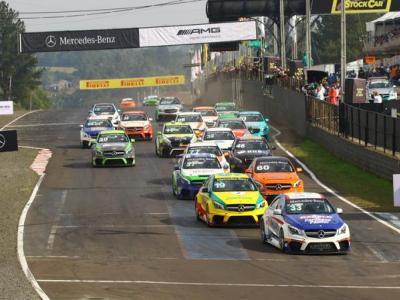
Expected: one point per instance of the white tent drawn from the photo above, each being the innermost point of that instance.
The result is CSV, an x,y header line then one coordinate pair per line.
x,y
386,17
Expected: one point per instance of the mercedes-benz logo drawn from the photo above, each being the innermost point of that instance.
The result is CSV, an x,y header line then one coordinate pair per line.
x,y
321,234
241,208
51,41
2,141
114,153
278,187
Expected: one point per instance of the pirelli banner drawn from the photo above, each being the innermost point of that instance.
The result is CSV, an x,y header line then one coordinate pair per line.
x,y
129,83
137,37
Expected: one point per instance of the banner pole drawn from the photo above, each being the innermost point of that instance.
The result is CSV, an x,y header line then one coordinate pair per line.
x,y
343,51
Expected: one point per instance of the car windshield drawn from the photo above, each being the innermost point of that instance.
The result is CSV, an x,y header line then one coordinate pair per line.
x,y
219,136
309,206
134,117
271,166
189,118
104,110
225,108
252,118
251,145
232,124
379,85
201,163
98,123
177,130
207,113
205,150
169,101
234,185
112,138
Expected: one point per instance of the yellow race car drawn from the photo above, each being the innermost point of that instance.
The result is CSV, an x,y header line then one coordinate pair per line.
x,y
230,199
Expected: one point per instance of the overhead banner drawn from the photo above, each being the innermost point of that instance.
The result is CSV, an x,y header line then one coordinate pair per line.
x,y
197,34
79,40
361,6
6,108
8,141
129,83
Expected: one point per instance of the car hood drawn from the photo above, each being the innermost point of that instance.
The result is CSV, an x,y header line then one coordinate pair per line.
x,y
134,123
315,222
229,198
276,177
112,146
201,172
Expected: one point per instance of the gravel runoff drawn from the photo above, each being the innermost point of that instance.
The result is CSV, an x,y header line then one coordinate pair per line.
x,y
17,181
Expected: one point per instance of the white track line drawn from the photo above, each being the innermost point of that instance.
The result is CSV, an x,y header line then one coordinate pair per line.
x,y
44,124
328,189
16,119
53,232
20,243
216,284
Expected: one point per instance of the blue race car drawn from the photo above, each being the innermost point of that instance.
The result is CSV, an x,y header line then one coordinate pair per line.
x,y
92,128
255,122
192,170
305,223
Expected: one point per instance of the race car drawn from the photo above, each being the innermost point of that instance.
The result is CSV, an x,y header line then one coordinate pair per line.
x,y
229,199
173,139
224,107
238,127
191,171
209,147
151,101
136,125
168,107
255,123
103,111
195,121
91,129
113,148
304,223
223,137
277,176
208,113
127,103
245,149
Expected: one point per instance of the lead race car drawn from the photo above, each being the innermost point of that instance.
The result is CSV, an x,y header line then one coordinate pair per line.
x,y
305,223
191,171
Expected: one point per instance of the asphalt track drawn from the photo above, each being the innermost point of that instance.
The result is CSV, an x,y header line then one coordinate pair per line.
x,y
118,233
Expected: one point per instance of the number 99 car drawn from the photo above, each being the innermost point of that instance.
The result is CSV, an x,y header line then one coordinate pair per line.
x,y
230,199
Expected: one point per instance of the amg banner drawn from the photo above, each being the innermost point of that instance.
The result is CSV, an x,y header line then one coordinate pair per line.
x,y
79,40
8,141
197,34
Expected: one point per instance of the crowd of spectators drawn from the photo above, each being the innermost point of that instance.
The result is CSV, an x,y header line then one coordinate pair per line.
x,y
387,37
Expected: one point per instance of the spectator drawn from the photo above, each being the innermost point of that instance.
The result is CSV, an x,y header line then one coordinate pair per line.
x,y
333,94
321,92
377,97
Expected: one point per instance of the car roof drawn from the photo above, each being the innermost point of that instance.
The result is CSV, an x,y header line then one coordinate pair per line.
x,y
250,137
232,176
112,131
215,129
203,144
200,155
292,196
248,112
134,112
229,120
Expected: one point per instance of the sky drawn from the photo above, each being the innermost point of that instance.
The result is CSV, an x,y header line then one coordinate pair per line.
x,y
186,13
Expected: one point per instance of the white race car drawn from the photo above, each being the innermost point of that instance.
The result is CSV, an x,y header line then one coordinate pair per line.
x,y
205,147
102,111
305,223
194,119
223,137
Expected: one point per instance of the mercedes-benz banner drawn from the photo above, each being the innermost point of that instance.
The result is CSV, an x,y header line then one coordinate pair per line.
x,y
79,40
197,34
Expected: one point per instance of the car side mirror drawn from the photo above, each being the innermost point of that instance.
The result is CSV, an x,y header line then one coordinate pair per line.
x,y
150,119
176,167
266,120
249,171
277,212
80,126
119,110
299,170
339,210
133,140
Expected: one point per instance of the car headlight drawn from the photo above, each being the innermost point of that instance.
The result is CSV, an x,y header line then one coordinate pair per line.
x,y
129,152
218,205
86,135
295,231
167,141
297,183
342,230
261,204
99,153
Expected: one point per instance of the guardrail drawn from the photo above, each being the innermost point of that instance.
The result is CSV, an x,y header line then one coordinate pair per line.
x,y
323,114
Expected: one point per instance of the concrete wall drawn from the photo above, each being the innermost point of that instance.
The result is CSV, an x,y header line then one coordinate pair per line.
x,y
288,108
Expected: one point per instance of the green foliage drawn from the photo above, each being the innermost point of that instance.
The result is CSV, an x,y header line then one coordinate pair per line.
x,y
20,68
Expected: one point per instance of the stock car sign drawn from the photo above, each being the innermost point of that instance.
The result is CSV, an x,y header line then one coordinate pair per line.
x,y
8,141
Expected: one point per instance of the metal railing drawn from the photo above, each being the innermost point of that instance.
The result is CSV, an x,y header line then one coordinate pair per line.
x,y
323,114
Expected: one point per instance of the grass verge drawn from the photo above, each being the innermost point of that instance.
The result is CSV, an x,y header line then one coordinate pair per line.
x,y
365,189
18,181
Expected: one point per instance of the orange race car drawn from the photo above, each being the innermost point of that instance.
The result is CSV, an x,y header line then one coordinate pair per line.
x,y
208,113
136,125
128,103
277,176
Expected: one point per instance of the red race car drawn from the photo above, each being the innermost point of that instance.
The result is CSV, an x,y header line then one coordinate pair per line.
x,y
137,125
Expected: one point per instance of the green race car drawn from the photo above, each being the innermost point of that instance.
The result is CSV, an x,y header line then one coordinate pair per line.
x,y
113,148
173,139
151,101
226,107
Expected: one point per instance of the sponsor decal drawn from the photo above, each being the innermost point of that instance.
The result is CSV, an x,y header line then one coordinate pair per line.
x,y
199,31
361,6
124,83
316,219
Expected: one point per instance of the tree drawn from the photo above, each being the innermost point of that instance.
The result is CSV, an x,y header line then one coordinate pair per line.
x,y
17,68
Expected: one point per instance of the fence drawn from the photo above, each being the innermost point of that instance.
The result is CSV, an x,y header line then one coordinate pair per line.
x,y
323,114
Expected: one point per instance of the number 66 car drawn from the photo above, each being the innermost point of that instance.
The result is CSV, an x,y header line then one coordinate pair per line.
x,y
304,223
